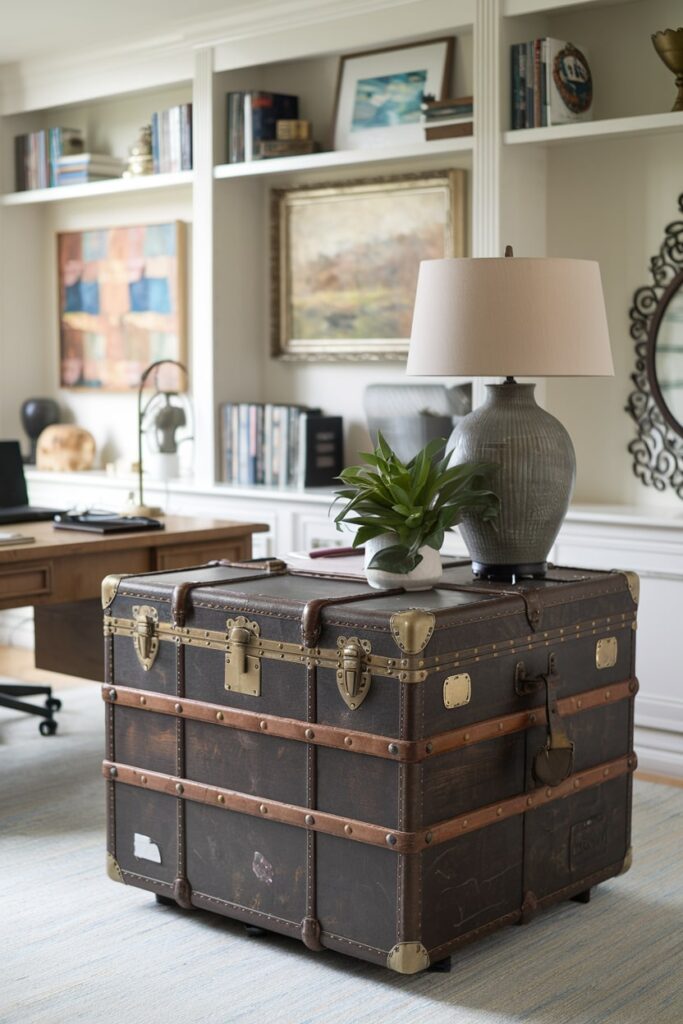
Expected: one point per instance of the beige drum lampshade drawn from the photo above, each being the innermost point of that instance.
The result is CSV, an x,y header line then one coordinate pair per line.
x,y
509,316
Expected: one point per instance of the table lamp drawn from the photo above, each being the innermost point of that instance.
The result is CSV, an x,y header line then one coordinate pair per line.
x,y
508,317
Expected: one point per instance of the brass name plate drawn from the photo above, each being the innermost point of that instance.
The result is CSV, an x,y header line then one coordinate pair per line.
x,y
606,651
457,690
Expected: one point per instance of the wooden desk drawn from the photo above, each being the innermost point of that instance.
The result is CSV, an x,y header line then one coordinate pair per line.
x,y
61,574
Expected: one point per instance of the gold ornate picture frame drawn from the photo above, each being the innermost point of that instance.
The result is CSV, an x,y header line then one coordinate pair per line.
x,y
345,259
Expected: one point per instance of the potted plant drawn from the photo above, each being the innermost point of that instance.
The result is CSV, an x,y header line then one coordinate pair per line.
x,y
402,510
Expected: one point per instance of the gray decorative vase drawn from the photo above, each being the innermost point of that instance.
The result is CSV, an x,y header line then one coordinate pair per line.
x,y
534,480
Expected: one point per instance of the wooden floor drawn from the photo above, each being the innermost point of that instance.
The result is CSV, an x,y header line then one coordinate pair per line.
x,y
17,663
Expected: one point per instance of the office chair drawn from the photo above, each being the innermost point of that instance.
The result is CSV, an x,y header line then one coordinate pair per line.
x,y
9,692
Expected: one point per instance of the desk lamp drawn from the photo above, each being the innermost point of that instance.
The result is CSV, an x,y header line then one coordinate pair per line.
x,y
165,418
512,317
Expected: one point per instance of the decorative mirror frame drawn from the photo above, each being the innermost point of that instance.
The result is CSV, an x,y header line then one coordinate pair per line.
x,y
658,448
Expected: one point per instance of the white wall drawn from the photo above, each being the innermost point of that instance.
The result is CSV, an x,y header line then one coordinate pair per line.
x,y
610,200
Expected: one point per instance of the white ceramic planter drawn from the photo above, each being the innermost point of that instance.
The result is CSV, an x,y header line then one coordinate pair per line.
x,y
423,577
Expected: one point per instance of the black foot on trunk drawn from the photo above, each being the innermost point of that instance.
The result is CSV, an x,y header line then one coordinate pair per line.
x,y
582,897
254,931
441,966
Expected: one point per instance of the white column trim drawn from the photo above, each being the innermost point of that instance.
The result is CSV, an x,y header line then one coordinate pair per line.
x,y
201,369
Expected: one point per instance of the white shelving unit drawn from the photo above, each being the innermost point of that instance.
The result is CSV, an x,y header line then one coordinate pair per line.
x,y
603,189
352,158
97,189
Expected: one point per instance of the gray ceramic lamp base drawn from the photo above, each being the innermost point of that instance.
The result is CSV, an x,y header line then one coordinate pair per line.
x,y
534,474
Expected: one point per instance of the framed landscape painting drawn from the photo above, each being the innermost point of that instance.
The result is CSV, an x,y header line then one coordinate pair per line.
x,y
121,303
380,92
346,258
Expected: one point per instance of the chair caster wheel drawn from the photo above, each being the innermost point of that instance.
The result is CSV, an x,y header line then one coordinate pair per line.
x,y
165,901
47,727
254,931
53,704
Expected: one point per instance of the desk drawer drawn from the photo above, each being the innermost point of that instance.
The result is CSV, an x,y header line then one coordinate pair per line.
x,y
27,580
181,555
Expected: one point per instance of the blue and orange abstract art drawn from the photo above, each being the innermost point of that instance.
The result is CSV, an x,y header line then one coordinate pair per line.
x,y
121,303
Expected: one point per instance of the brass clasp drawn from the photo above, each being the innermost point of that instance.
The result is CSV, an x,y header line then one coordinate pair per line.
x,y
242,669
353,676
145,636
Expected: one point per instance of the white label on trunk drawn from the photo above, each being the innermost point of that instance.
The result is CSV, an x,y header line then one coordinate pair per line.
x,y
145,849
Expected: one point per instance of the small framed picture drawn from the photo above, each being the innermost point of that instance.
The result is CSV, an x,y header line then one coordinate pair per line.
x,y
379,92
345,259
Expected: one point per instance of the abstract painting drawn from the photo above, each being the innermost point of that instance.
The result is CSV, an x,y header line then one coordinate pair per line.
x,y
380,93
121,303
346,259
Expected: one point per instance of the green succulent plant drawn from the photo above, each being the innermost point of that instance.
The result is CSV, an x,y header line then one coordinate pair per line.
x,y
419,501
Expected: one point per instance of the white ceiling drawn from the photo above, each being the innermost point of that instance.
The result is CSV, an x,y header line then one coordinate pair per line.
x,y
30,28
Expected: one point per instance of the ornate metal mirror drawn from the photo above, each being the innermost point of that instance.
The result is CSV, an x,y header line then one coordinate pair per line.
x,y
657,403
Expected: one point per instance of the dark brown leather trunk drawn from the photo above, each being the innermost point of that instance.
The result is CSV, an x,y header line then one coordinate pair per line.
x,y
390,775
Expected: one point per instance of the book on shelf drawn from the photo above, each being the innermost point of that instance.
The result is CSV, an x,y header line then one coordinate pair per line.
x,y
253,117
81,168
279,445
448,129
288,129
266,149
550,84
458,106
172,139
36,156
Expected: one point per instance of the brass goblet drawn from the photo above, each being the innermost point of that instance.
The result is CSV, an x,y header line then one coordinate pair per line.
x,y
669,46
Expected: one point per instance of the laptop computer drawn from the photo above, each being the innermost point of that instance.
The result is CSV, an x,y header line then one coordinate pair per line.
x,y
14,506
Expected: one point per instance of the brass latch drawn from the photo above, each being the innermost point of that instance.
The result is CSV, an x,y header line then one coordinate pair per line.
x,y
145,638
242,669
353,675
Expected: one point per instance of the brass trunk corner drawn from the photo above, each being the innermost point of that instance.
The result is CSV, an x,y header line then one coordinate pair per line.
x,y
628,861
408,958
633,583
110,584
113,870
412,630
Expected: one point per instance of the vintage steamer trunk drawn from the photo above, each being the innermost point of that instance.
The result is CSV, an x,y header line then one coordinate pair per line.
x,y
386,774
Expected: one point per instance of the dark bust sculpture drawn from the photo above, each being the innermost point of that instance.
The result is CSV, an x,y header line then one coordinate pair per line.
x,y
36,415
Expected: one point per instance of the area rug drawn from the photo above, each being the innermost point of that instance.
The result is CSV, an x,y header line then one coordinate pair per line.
x,y
77,947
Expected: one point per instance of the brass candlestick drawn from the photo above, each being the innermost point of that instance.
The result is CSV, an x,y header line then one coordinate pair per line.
x,y
669,46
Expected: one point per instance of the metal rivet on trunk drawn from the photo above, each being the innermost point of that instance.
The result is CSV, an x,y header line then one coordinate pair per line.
x,y
606,772
465,822
576,783
113,772
143,780
532,718
220,716
393,748
348,830
309,734
608,694
309,819
467,736
428,837
112,695
579,703
548,791
429,748
391,840
499,811
179,788
179,708
348,741
221,798
529,802
263,809
263,726
143,700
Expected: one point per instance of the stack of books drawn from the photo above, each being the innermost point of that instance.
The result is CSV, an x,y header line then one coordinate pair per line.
x,y
36,156
279,445
85,167
172,139
447,119
551,83
252,122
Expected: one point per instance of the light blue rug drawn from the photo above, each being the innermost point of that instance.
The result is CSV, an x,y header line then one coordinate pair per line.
x,y
76,947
